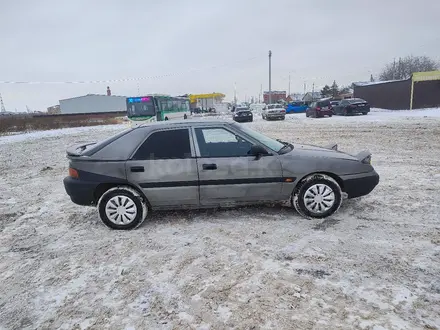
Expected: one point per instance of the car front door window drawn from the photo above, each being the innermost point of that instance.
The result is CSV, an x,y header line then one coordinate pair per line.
x,y
219,142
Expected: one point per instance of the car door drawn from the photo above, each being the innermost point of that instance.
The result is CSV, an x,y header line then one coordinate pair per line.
x,y
165,168
228,174
340,107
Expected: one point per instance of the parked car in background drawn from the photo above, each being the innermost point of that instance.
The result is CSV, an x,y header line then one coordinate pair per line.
x,y
239,108
319,108
243,116
194,164
274,111
351,106
296,107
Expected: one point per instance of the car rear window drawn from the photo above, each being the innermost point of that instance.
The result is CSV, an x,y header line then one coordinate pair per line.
x,y
98,146
324,103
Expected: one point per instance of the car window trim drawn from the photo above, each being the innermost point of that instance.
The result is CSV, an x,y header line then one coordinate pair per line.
x,y
191,145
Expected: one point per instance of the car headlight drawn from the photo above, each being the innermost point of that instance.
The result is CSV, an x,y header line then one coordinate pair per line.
x,y
367,160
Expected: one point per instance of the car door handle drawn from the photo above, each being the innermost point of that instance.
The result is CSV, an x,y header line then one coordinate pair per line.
x,y
137,169
209,166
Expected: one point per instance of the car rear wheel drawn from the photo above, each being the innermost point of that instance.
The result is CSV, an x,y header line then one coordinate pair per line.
x,y
122,208
317,196
364,113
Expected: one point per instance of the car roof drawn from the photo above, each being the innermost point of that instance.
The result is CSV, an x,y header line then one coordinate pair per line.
x,y
185,122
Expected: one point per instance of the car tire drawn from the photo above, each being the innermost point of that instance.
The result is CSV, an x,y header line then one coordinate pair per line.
x,y
317,196
122,208
307,114
283,118
365,113
330,115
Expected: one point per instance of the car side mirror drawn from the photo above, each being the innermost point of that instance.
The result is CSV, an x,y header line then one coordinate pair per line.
x,y
257,151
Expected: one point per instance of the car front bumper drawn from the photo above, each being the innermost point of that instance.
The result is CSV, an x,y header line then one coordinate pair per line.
x,y
324,113
80,192
357,110
357,185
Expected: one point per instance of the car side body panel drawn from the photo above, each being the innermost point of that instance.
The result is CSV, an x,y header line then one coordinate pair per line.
x,y
170,183
243,179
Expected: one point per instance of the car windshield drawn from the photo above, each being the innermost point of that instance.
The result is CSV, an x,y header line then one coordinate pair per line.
x,y
263,139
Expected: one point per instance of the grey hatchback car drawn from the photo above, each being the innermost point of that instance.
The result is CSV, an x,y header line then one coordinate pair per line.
x,y
202,164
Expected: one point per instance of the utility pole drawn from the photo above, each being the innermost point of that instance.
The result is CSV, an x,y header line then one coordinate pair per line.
x,y
289,86
304,88
261,93
270,77
235,94
313,92
3,109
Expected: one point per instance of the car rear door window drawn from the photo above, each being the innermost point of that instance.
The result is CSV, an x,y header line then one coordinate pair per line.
x,y
219,142
169,144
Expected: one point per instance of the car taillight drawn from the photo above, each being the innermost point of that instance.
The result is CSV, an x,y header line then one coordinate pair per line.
x,y
318,108
73,173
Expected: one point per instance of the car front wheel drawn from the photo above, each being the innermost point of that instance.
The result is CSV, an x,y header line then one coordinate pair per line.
x,y
317,196
122,208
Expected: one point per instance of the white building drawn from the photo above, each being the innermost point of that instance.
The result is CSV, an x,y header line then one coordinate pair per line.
x,y
92,103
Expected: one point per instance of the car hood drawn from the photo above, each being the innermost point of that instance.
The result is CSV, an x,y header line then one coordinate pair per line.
x,y
315,151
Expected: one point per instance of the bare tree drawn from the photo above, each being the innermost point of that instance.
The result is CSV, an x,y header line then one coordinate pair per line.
x,y
407,66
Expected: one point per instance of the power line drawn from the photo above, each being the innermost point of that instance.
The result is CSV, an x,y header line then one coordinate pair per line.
x,y
129,79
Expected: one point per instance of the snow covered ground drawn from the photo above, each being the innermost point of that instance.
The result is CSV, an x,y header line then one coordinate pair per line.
x,y
373,265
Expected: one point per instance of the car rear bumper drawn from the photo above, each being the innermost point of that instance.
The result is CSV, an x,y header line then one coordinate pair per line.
x,y
276,115
80,192
357,185
243,119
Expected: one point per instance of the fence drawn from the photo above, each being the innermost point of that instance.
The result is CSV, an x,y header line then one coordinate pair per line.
x,y
25,123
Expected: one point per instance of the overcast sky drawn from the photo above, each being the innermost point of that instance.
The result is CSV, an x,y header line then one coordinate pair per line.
x,y
200,46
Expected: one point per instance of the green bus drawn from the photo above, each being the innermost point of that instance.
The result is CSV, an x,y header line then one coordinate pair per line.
x,y
142,109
